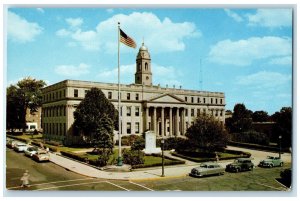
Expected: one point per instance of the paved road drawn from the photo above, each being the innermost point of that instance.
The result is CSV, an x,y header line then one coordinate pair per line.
x,y
48,176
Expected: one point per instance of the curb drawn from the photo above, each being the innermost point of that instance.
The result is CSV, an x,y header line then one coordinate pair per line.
x,y
159,178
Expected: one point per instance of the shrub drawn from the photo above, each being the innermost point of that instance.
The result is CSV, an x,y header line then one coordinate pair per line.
x,y
104,155
251,137
133,157
74,156
139,144
20,139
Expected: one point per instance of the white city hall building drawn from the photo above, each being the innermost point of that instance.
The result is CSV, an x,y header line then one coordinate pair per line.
x,y
165,110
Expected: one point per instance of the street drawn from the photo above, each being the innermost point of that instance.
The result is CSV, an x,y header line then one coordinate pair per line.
x,y
48,176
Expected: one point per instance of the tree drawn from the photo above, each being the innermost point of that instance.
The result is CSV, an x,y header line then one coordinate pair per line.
x,y
26,94
89,113
207,133
283,126
260,116
241,118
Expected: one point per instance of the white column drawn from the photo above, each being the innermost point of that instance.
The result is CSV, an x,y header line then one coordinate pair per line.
x,y
170,122
154,120
177,122
183,122
146,119
162,121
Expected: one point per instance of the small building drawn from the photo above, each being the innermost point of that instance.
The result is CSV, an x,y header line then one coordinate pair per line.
x,y
33,120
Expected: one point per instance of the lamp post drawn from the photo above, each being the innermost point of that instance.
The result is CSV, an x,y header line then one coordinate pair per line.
x,y
280,145
162,158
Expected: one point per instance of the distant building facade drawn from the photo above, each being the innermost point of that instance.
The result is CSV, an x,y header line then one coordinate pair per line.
x,y
144,106
33,119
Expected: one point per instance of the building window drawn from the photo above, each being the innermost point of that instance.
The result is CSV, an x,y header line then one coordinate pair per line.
x,y
128,128
64,93
216,101
85,92
192,112
192,99
186,98
203,100
211,100
216,113
128,96
109,95
186,112
137,127
146,66
59,94
221,101
136,96
75,92
198,100
198,112
128,111
137,111
221,112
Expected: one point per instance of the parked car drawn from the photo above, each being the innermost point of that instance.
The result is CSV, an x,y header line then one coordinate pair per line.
x,y
270,162
30,151
11,143
20,147
207,169
41,155
240,164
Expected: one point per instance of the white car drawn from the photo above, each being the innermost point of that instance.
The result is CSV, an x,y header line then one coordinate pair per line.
x,y
20,147
41,155
30,151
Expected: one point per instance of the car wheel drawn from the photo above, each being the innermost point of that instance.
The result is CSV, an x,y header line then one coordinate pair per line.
x,y
251,168
281,164
237,170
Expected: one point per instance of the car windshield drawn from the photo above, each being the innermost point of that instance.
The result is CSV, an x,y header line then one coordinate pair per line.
x,y
203,166
32,149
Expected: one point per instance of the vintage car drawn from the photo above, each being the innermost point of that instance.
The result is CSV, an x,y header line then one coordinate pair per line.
x,y
240,164
270,162
41,155
30,151
11,143
20,147
207,169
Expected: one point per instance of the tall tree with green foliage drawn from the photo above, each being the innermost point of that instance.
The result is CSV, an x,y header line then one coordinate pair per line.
x,y
260,116
241,119
26,94
90,113
207,133
283,126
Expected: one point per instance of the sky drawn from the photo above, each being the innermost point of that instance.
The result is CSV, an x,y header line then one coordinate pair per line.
x,y
245,53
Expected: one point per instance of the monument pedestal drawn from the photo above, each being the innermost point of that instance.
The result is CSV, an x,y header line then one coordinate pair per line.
x,y
150,143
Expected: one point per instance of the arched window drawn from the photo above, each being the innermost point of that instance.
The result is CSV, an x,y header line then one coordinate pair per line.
x,y
140,67
146,66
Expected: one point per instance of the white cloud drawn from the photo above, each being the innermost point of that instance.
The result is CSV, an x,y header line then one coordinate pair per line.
x,y
63,32
161,75
271,18
160,35
233,15
20,30
281,61
71,70
264,79
244,52
74,22
110,10
40,10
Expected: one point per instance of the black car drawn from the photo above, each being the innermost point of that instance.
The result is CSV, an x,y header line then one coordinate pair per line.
x,y
240,164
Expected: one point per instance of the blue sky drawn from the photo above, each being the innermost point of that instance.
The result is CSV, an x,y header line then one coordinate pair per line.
x,y
245,53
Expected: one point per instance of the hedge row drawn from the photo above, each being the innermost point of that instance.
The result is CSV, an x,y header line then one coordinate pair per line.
x,y
199,160
172,162
79,157
37,143
257,146
19,138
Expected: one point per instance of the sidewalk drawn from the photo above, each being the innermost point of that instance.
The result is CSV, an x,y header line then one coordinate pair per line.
x,y
86,170
150,173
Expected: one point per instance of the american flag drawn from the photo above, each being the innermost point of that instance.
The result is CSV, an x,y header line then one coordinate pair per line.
x,y
124,38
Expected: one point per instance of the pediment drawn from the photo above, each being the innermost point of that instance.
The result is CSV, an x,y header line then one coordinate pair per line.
x,y
166,98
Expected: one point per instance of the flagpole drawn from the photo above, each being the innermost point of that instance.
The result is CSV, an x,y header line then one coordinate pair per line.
x,y
120,163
